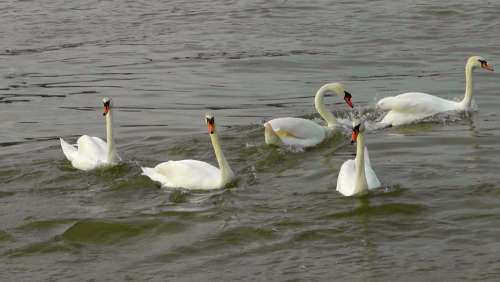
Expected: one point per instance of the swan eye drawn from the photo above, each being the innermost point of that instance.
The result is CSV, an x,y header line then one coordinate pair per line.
x,y
483,62
355,132
347,98
210,120
106,107
356,128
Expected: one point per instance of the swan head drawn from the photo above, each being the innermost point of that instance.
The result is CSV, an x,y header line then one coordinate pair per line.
x,y
107,105
479,62
339,89
357,127
210,119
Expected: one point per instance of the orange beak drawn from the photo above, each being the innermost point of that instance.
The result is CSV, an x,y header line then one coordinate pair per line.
x,y
348,101
106,109
354,136
211,128
486,67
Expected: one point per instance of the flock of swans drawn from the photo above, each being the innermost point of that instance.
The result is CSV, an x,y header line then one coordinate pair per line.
x,y
356,177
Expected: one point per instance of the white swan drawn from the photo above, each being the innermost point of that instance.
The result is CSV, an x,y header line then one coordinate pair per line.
x,y
304,132
356,177
412,106
193,174
93,152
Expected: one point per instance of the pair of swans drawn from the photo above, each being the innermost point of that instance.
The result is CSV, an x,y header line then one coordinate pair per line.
x,y
356,177
402,109
92,152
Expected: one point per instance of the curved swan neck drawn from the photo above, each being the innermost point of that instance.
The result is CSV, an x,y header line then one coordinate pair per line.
x,y
111,157
320,106
361,186
468,86
226,172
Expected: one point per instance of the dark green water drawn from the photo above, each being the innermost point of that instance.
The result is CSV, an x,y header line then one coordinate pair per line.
x,y
166,64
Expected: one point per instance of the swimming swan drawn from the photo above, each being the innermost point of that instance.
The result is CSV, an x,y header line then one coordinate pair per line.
x,y
92,152
193,174
412,106
304,132
356,177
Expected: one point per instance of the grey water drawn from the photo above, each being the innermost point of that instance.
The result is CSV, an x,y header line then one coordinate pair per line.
x,y
166,63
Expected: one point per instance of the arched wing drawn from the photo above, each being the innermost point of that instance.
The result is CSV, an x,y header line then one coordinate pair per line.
x,y
346,179
371,177
93,148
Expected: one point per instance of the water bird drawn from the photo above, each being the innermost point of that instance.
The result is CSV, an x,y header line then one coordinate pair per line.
x,y
194,174
413,106
303,132
92,152
356,177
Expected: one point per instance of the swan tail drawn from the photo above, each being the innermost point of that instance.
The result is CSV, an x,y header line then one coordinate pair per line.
x,y
270,135
155,176
68,149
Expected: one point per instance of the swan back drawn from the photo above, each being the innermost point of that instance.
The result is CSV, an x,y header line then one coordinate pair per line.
x,y
189,174
412,106
92,147
297,131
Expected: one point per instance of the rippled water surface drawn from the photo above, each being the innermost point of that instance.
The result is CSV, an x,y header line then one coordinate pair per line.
x,y
165,63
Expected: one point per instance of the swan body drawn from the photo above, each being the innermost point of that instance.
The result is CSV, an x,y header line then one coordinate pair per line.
x,y
295,131
303,132
413,106
93,152
189,174
356,177
194,174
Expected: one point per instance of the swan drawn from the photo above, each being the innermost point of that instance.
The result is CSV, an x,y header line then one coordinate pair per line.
x,y
303,132
412,106
92,152
193,174
356,177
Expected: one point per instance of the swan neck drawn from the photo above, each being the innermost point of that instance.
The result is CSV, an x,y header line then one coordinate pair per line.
x,y
361,186
468,87
226,172
320,107
111,157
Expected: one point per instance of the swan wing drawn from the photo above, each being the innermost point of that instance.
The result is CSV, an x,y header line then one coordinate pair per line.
x,y
417,102
69,150
89,154
371,177
413,106
93,148
297,131
189,174
346,179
